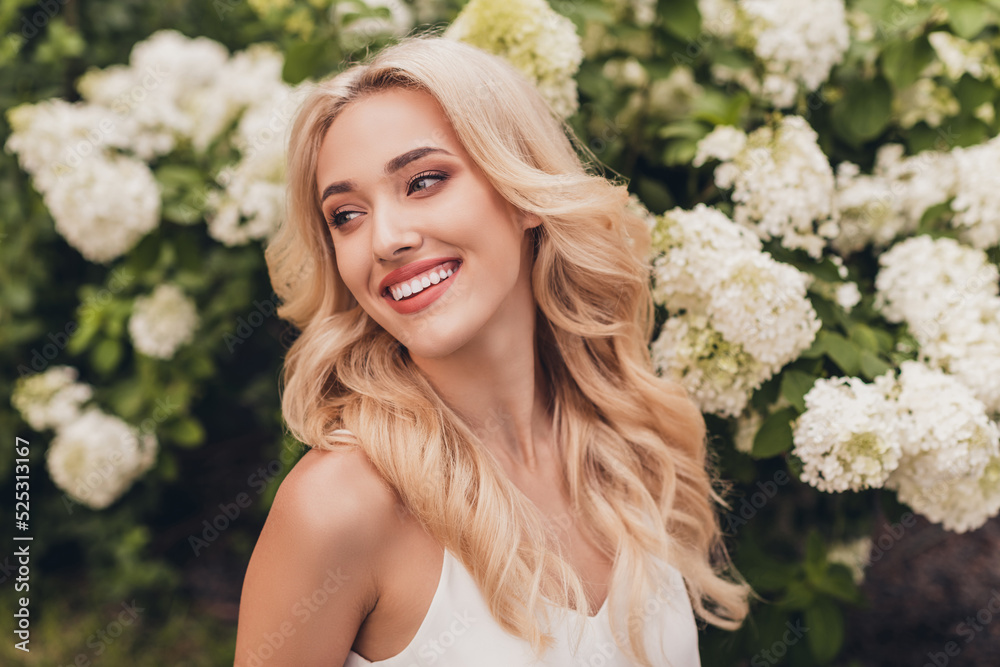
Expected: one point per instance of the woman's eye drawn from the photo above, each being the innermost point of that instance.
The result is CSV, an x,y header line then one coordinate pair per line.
x,y
339,218
424,181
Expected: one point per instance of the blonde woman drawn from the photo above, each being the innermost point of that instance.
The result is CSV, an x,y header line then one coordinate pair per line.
x,y
496,474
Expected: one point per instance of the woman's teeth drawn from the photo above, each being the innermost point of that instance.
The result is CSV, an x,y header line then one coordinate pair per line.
x,y
411,287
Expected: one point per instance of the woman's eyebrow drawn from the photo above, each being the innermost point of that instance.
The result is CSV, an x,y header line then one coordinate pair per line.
x,y
391,167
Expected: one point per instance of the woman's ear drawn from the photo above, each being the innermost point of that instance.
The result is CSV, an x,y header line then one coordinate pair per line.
x,y
528,220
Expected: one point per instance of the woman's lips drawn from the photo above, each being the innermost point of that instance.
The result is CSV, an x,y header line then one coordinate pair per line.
x,y
417,284
425,297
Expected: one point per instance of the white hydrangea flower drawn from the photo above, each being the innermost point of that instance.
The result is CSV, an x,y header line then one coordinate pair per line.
x,y
959,56
692,244
252,204
170,81
924,100
761,304
921,281
540,43
856,555
960,504
917,182
718,375
163,321
867,211
51,399
251,78
782,183
105,206
947,294
53,137
711,267
725,143
796,44
967,346
977,198
97,457
847,295
846,438
944,431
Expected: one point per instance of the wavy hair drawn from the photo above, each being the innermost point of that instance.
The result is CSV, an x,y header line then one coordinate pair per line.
x,y
633,445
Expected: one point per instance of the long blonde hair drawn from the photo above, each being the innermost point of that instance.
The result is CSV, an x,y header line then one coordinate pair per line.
x,y
633,444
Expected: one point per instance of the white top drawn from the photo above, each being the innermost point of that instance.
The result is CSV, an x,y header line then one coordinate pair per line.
x,y
459,631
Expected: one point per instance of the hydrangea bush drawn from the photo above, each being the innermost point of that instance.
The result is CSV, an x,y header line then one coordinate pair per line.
x,y
818,178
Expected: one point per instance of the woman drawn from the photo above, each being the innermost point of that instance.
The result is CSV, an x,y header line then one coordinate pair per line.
x,y
496,474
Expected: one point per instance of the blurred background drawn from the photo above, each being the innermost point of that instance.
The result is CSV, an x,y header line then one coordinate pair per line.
x,y
142,175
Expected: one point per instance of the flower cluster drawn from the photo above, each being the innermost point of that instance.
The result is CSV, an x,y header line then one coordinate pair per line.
x,y
102,201
782,183
97,457
922,433
846,438
947,293
889,203
51,399
251,204
796,44
89,160
542,44
94,457
162,322
738,316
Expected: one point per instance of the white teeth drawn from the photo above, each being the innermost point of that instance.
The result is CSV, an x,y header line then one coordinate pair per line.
x,y
416,285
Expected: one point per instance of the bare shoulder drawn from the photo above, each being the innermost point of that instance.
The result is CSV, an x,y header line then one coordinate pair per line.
x,y
330,491
315,571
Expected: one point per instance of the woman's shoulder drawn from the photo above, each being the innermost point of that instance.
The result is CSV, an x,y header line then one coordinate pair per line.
x,y
335,493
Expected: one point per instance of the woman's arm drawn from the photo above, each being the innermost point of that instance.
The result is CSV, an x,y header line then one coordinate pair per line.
x,y
312,577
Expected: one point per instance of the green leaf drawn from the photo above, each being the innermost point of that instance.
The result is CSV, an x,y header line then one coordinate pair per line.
x,y
969,17
817,349
303,58
838,582
902,62
686,129
654,195
973,93
679,152
872,366
885,340
825,629
799,595
718,108
775,434
863,335
186,432
795,385
106,355
842,352
84,333
815,563
681,19
864,111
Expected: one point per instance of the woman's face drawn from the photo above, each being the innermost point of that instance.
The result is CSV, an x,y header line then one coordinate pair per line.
x,y
405,205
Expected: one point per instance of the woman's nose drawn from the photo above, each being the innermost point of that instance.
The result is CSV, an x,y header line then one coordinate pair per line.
x,y
393,231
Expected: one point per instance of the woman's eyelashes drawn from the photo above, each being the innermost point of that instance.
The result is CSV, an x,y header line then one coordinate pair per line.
x,y
431,177
425,180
